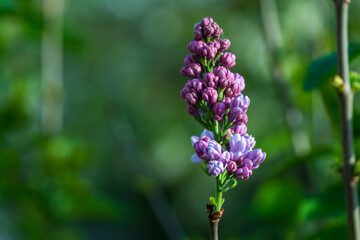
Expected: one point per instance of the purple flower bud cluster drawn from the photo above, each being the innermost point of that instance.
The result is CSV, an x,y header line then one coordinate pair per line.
x,y
214,97
212,87
207,29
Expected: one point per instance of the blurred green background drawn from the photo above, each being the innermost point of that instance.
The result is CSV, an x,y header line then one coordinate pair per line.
x,y
95,138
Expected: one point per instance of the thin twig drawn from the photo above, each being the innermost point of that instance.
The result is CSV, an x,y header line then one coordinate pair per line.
x,y
346,105
214,229
214,218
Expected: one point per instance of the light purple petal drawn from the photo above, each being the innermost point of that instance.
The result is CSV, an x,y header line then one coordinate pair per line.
x,y
195,158
194,139
207,133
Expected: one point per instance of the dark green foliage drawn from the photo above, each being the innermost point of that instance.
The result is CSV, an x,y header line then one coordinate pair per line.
x,y
324,68
121,63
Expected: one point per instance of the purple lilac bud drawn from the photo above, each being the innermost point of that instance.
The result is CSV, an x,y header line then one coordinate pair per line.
x,y
238,107
223,72
183,92
225,156
214,44
210,80
206,21
240,102
219,108
250,142
231,167
224,44
207,133
216,168
208,51
191,58
191,98
194,85
233,90
183,72
240,80
213,150
224,82
192,70
227,102
218,30
208,31
226,77
240,129
200,146
198,35
193,110
252,159
196,47
236,87
227,60
210,95
198,26
243,172
237,146
238,118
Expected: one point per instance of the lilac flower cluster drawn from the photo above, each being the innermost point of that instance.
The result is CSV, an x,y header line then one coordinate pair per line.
x,y
239,160
214,97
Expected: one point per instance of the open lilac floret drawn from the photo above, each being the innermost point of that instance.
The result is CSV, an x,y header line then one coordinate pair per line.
x,y
239,160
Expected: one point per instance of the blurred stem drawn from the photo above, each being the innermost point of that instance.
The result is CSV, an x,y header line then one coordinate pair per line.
x,y
52,66
214,229
346,105
293,117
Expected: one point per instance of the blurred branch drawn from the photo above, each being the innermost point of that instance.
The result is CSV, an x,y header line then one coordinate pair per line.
x,y
214,225
292,115
346,106
156,198
52,66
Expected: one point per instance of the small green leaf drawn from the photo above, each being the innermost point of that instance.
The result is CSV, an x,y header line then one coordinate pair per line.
x,y
325,67
338,83
212,200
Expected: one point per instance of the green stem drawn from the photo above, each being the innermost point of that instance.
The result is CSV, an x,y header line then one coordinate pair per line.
x,y
218,195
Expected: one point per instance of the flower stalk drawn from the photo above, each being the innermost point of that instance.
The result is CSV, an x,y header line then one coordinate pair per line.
x,y
346,106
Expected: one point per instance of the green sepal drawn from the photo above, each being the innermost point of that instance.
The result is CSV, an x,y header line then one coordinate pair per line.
x,y
212,201
221,94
